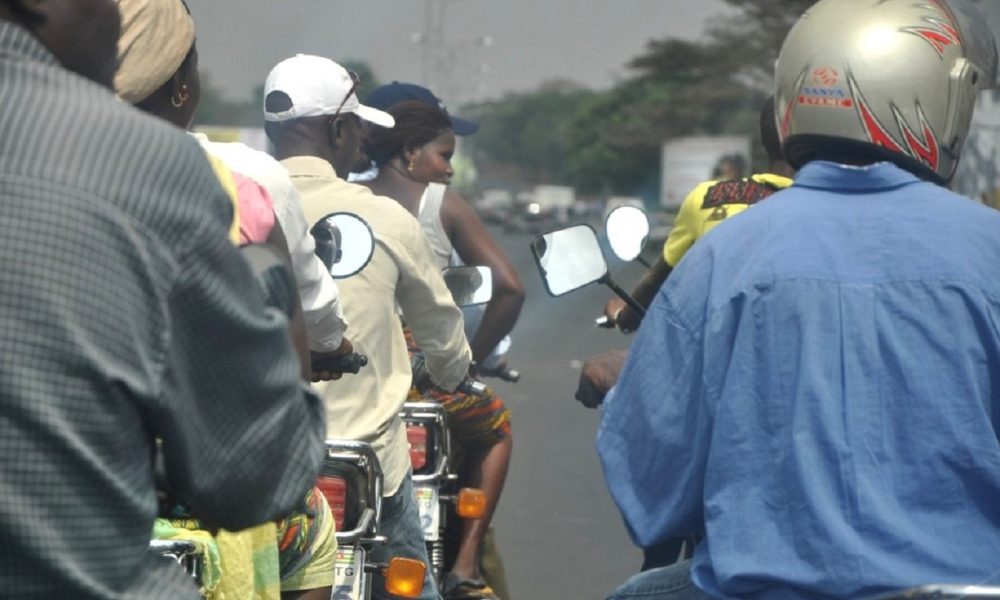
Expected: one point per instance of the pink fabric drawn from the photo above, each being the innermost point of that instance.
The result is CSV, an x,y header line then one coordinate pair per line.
x,y
256,210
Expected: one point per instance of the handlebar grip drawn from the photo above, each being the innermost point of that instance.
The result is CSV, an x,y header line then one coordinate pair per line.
x,y
604,322
348,363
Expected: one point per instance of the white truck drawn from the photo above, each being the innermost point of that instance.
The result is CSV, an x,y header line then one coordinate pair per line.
x,y
688,161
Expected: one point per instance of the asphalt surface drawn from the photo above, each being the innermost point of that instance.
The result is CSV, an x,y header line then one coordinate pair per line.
x,y
559,532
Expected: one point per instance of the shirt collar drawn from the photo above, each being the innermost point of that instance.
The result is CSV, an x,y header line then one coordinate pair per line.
x,y
310,166
18,41
832,176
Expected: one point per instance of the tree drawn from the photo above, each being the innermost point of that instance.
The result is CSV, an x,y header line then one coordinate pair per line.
x,y
609,142
528,131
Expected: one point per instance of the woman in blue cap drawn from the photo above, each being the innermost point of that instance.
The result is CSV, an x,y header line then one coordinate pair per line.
x,y
414,167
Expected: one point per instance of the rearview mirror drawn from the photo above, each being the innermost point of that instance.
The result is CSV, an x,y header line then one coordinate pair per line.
x,y
569,258
469,286
344,242
628,230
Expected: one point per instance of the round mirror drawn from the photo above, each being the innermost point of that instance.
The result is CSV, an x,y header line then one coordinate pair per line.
x,y
628,230
344,242
469,286
569,258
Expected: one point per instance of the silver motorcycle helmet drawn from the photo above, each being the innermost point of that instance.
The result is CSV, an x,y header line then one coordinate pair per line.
x,y
860,81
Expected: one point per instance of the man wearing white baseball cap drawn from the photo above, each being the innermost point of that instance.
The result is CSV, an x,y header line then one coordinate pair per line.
x,y
317,125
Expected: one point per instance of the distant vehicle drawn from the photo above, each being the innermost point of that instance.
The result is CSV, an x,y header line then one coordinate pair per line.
x,y
495,206
546,207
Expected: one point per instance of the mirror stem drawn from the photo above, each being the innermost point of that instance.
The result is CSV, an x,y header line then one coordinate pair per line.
x,y
617,289
642,261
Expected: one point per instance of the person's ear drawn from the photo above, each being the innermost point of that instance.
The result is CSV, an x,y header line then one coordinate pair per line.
x,y
335,131
178,89
409,156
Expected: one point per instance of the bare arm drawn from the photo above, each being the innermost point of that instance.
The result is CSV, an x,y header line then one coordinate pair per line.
x,y
475,246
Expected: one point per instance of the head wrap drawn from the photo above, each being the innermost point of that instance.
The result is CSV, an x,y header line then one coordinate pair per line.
x,y
156,38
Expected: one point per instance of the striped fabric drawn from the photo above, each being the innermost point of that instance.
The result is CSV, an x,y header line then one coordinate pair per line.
x,y
125,313
478,421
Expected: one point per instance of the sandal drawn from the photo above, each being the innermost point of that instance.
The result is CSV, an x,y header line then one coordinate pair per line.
x,y
456,588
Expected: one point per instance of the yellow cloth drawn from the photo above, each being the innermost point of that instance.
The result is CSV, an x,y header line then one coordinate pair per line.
x,y
403,269
697,216
249,564
238,566
185,530
228,184
156,37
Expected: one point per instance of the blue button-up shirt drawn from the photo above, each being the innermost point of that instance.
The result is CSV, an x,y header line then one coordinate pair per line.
x,y
817,388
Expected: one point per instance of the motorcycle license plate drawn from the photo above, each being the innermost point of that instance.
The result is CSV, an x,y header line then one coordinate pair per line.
x,y
349,574
430,513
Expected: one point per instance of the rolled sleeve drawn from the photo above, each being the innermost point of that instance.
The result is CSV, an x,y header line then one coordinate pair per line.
x,y
653,438
431,314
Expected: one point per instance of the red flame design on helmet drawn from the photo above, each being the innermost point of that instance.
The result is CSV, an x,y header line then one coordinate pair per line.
x,y
924,147
940,31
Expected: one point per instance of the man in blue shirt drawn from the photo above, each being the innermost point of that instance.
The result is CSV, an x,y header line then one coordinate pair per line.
x,y
817,387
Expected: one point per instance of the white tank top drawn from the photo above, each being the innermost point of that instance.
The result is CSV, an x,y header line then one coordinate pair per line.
x,y
429,216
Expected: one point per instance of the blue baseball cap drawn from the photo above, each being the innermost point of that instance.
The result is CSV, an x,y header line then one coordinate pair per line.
x,y
393,93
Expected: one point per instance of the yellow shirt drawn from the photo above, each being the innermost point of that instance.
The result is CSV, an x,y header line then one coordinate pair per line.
x,y
366,406
712,202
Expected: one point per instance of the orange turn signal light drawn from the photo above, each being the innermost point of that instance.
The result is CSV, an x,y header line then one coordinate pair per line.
x,y
471,503
405,577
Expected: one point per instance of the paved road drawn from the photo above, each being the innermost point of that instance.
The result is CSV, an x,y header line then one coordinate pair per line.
x,y
560,534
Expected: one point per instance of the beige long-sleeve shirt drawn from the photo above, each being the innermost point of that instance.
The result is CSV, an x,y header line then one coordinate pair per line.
x,y
403,270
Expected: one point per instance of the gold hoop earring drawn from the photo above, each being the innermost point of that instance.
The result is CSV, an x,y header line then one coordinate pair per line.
x,y
180,99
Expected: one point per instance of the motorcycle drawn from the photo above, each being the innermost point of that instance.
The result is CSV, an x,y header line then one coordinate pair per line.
x,y
432,455
571,258
350,477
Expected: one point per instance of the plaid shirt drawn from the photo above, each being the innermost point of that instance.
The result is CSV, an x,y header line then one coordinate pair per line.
x,y
125,314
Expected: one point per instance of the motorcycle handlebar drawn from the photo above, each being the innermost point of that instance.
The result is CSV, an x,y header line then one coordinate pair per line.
x,y
347,363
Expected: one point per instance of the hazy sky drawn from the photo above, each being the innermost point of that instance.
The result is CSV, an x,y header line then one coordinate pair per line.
x,y
586,41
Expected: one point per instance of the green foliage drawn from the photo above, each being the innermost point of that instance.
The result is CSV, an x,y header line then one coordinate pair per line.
x,y
529,130
609,142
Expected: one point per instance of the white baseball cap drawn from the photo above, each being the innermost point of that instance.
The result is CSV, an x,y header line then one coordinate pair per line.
x,y
318,86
